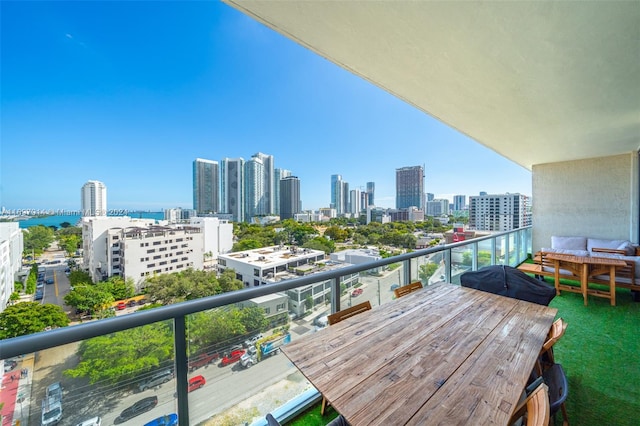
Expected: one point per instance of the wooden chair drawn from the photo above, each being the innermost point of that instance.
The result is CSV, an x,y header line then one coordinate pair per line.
x,y
349,312
336,318
546,357
535,408
404,290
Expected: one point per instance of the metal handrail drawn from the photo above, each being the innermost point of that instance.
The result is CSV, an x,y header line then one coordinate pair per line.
x,y
177,312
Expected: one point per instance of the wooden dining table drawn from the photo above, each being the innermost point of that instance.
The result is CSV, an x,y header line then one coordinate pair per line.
x,y
444,355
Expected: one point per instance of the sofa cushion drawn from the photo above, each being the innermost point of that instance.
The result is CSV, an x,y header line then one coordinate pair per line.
x,y
569,243
625,245
565,251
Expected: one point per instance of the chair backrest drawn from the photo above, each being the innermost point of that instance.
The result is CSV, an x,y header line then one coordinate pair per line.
x,y
404,290
349,312
556,331
535,406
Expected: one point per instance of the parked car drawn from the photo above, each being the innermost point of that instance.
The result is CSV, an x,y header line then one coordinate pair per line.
x,y
39,294
120,306
9,364
234,356
357,292
196,383
138,408
251,341
96,421
166,420
156,380
202,360
49,281
51,412
54,391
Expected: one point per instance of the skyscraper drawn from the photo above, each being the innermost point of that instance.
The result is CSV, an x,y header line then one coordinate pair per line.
x,y
268,182
459,202
410,187
354,202
289,197
255,200
232,178
279,174
206,195
335,179
371,190
94,198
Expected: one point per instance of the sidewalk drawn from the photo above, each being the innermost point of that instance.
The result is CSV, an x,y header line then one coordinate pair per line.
x,y
16,393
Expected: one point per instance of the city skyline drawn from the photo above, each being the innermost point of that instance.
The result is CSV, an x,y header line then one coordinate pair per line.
x,y
107,94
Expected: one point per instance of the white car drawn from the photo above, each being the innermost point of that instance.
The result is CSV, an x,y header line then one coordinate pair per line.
x,y
96,421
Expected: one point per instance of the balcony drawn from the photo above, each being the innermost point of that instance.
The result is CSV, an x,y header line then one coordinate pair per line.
x,y
166,340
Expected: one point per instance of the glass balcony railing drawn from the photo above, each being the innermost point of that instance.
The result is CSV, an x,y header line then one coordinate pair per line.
x,y
177,361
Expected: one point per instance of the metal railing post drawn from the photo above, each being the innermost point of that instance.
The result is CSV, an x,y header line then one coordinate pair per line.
x,y
180,342
335,294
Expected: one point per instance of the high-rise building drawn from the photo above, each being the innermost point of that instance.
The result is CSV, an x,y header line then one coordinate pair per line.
x,y
268,182
290,203
410,187
335,189
206,196
279,174
430,196
339,195
437,207
232,185
354,202
255,203
498,212
94,198
459,202
371,190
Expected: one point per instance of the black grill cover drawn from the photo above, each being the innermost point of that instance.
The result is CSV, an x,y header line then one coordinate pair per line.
x,y
510,282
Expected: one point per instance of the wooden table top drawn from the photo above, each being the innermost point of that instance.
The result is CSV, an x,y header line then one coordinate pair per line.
x,y
591,260
442,355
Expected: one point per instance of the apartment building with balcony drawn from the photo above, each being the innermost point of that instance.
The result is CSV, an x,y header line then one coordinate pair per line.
x,y
499,212
138,248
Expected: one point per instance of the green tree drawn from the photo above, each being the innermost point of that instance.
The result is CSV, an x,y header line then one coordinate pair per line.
x,y
30,317
122,356
308,301
89,298
337,233
77,277
426,271
189,285
320,243
37,238
247,244
118,287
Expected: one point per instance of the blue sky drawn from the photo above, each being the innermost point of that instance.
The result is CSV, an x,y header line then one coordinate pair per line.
x,y
130,93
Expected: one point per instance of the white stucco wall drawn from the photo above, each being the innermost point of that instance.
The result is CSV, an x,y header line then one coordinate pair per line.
x,y
594,198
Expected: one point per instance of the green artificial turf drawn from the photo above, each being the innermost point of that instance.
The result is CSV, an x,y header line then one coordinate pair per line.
x,y
600,354
312,417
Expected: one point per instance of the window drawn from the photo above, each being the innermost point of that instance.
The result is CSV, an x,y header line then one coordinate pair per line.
x,y
156,243
222,262
151,251
280,307
256,272
267,311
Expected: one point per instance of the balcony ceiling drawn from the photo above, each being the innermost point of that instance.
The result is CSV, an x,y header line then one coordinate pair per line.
x,y
537,82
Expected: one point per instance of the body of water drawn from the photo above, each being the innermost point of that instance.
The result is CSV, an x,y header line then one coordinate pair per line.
x,y
56,220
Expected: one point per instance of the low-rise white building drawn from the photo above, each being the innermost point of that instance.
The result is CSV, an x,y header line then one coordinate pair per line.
x,y
277,263
11,248
138,248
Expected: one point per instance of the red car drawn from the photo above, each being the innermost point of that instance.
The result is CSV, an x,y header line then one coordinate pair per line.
x,y
234,356
356,292
121,306
196,383
202,360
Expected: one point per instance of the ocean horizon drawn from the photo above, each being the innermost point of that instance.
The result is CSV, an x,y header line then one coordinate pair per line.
x,y
57,220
